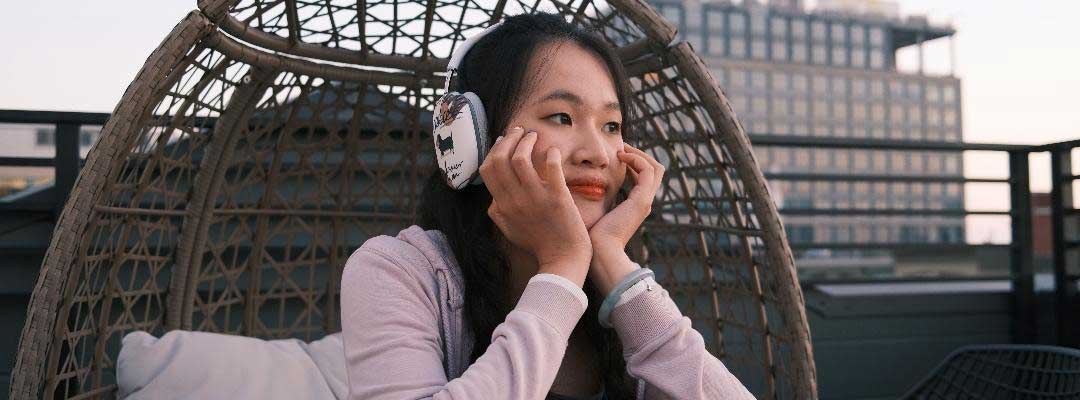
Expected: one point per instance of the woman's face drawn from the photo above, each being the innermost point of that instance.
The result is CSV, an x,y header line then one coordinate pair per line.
x,y
571,103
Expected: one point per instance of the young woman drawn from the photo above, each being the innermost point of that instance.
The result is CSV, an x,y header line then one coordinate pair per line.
x,y
496,294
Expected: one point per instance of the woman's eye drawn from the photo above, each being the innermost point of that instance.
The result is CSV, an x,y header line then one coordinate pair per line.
x,y
561,118
613,127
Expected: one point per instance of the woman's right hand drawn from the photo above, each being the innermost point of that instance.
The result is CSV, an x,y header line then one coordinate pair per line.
x,y
534,212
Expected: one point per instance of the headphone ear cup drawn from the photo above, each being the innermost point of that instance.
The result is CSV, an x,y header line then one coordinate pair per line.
x,y
460,137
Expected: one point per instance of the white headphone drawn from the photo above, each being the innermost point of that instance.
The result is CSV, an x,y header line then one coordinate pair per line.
x,y
459,126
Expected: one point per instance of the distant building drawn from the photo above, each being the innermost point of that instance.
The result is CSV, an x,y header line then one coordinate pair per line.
x,y
832,73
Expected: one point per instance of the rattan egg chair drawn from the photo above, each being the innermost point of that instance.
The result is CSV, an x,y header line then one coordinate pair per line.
x,y
265,140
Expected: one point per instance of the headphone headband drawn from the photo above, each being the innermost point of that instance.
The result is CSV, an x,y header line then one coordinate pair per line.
x,y
460,51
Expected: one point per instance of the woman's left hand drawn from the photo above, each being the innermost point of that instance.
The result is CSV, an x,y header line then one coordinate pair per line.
x,y
613,231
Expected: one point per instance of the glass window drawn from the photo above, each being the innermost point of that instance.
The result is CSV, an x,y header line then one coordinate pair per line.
x,y
779,28
877,59
737,47
757,23
798,29
800,109
820,54
857,33
839,87
877,112
877,36
779,107
858,111
759,105
798,52
821,109
759,48
714,22
817,31
877,89
858,88
821,85
757,80
933,92
858,57
779,50
799,83
839,56
839,34
737,23
780,81
839,110
914,90
948,94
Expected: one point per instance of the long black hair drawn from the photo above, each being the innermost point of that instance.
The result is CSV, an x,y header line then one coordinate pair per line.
x,y
495,68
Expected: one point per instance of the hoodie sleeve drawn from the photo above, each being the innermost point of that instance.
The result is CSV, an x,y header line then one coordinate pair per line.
x,y
658,339
391,330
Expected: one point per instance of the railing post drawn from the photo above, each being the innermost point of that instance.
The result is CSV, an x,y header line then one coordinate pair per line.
x,y
1068,333
66,161
1021,254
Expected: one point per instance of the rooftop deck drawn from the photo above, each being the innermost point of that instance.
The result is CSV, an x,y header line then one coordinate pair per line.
x,y
875,333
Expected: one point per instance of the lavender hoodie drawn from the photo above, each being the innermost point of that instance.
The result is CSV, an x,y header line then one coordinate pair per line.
x,y
405,337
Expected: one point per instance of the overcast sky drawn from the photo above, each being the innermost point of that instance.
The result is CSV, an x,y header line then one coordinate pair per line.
x,y
1019,64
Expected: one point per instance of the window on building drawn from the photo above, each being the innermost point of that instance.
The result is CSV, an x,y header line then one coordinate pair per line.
x,y
877,59
798,52
877,36
778,27
757,23
780,81
737,46
839,110
798,29
714,27
820,54
877,89
779,50
839,56
857,32
817,31
46,137
858,57
758,48
799,83
839,34
839,87
757,80
799,108
820,85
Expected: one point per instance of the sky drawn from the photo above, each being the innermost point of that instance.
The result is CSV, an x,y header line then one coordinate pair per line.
x,y
1019,65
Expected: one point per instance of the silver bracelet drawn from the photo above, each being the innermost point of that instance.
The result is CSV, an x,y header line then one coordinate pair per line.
x,y
613,297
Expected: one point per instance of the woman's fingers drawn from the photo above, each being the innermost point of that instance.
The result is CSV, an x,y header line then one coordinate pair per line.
x,y
522,163
553,172
500,153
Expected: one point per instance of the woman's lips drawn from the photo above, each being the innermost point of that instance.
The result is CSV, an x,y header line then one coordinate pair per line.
x,y
591,192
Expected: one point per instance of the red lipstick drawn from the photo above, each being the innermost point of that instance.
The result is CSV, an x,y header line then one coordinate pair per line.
x,y
590,188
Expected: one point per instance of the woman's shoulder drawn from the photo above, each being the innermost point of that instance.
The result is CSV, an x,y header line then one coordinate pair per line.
x,y
413,250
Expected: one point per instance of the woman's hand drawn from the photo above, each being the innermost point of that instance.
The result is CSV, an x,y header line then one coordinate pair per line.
x,y
534,212
613,231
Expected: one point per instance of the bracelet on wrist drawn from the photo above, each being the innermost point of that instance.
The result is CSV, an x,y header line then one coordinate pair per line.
x,y
612,298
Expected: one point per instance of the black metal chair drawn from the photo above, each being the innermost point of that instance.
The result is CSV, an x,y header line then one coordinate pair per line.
x,y
1003,372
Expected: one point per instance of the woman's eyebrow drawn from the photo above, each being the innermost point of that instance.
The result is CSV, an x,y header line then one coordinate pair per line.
x,y
560,94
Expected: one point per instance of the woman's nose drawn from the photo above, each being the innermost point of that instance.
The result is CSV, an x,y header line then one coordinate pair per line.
x,y
592,149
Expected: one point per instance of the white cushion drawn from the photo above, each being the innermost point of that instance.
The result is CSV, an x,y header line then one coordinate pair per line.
x,y
202,365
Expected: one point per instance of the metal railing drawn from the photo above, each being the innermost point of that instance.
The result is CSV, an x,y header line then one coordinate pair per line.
x,y
1066,249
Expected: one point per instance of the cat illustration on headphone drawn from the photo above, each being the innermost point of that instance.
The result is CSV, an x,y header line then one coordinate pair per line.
x,y
447,113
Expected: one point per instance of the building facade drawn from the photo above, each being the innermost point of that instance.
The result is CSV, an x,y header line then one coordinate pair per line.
x,y
832,74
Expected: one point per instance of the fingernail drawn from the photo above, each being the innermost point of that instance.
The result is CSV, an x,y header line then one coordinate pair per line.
x,y
518,129
499,138
532,133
